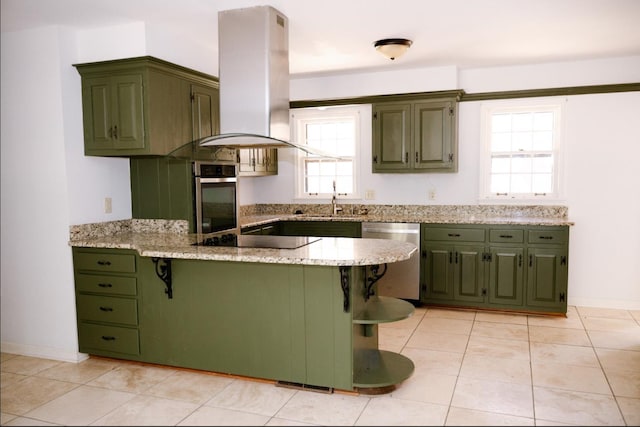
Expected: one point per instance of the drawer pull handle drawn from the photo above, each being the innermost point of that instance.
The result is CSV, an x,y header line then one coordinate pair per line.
x,y
105,285
506,236
104,262
106,309
108,338
546,237
453,235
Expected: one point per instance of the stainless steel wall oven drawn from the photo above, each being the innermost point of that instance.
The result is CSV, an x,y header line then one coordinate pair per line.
x,y
216,197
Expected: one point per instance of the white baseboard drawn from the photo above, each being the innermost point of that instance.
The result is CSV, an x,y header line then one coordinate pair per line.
x,y
607,303
43,352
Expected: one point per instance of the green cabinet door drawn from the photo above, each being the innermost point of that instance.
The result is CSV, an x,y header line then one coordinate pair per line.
x,y
391,137
415,136
257,161
437,272
506,276
468,273
113,115
433,135
547,278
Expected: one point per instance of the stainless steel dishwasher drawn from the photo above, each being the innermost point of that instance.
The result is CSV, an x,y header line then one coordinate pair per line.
x,y
402,278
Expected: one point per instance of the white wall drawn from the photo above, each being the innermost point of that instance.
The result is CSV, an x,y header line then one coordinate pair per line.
x,y
48,184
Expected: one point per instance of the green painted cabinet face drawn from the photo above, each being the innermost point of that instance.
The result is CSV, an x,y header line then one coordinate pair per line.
x,y
507,267
162,188
145,106
113,112
547,277
417,136
453,272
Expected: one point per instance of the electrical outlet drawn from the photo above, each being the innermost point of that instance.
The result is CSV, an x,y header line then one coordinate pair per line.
x,y
432,194
107,205
369,194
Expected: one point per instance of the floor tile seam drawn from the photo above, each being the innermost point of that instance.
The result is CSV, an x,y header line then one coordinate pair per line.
x,y
490,412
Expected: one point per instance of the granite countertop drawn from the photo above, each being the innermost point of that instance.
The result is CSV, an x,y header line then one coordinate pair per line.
x,y
171,239
546,215
330,251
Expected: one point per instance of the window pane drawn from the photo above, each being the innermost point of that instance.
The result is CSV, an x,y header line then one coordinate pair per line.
x,y
501,142
499,183
521,164
522,141
521,183
542,183
326,184
543,141
543,121
313,167
501,123
501,164
522,121
344,184
344,168
312,184
328,168
542,163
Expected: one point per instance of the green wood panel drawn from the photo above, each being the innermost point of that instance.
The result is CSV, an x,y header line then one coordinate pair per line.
x,y
547,278
548,235
506,276
112,261
438,276
506,235
107,340
108,309
391,136
127,112
162,188
468,276
240,318
96,106
454,234
106,284
431,133
329,357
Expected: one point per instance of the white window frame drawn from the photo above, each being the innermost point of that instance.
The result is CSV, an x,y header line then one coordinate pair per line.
x,y
488,109
299,117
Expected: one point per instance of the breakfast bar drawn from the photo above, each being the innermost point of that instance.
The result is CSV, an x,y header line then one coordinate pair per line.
x,y
303,317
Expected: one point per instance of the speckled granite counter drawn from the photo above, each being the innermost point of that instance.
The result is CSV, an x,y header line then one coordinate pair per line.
x,y
443,214
170,239
174,242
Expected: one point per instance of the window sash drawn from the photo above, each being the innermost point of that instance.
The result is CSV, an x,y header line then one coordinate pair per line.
x,y
521,151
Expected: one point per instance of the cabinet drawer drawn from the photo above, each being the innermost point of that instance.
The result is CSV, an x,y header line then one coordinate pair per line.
x,y
454,234
108,309
104,284
108,262
108,338
506,236
554,236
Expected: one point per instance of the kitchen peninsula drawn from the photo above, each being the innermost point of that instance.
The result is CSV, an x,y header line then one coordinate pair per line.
x,y
305,317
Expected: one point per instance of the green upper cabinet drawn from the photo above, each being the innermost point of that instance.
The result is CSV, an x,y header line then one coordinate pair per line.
x,y
415,136
145,106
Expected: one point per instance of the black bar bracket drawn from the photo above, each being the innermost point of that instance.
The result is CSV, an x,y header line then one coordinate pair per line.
x,y
163,271
371,280
345,284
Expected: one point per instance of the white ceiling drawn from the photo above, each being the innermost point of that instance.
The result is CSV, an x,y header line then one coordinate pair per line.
x,y
336,36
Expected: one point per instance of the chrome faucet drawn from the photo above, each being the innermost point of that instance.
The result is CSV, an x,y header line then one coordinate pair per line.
x,y
334,201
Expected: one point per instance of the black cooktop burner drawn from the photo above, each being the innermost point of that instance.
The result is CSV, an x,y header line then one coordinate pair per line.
x,y
259,241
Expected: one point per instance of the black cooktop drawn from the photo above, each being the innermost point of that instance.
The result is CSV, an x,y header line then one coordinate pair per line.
x,y
257,241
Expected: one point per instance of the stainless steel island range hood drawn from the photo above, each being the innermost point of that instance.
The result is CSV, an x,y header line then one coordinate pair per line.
x,y
253,45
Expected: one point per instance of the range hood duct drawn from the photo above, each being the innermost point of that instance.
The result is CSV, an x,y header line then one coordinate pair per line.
x,y
253,46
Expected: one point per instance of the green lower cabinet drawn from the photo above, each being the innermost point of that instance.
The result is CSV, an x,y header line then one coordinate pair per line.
x,y
547,277
508,267
307,325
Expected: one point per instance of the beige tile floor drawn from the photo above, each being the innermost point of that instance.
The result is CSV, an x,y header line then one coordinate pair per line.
x,y
472,368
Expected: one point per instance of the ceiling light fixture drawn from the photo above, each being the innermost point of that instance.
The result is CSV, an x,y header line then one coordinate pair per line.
x,y
392,48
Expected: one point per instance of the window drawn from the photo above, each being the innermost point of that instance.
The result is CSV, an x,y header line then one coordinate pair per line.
x,y
334,130
521,158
